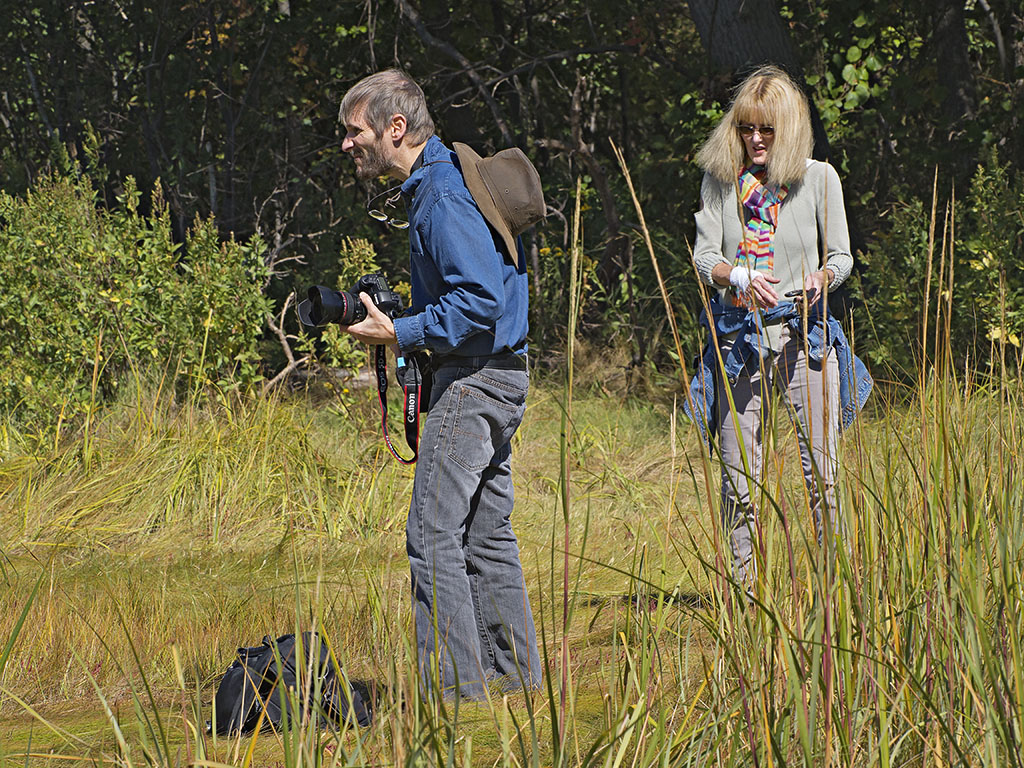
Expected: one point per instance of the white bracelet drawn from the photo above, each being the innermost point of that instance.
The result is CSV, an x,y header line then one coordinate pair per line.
x,y
739,278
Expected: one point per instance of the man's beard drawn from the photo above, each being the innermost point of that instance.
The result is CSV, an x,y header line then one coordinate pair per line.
x,y
373,162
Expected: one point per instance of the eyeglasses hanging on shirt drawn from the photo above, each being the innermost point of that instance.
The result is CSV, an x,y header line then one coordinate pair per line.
x,y
379,211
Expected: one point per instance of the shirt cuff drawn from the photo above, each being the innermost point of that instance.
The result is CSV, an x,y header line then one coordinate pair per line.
x,y
409,332
842,265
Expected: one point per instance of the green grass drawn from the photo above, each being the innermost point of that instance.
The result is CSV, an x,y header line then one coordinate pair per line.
x,y
194,530
170,533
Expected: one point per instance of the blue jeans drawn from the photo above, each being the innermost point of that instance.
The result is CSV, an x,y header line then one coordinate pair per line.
x,y
473,619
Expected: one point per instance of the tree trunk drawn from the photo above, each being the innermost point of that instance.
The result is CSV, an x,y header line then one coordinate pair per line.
x,y
1015,150
739,35
953,64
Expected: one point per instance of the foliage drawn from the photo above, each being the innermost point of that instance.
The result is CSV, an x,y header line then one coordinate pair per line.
x,y
90,293
336,348
990,258
232,104
977,253
893,274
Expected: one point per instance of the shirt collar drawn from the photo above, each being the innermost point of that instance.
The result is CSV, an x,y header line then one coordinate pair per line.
x,y
433,151
418,163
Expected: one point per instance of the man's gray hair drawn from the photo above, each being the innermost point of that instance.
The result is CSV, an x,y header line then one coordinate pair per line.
x,y
385,94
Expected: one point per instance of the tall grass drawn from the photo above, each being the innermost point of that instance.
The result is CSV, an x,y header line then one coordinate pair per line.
x,y
140,552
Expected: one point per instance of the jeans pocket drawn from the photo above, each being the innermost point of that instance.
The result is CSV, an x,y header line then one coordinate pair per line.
x,y
486,416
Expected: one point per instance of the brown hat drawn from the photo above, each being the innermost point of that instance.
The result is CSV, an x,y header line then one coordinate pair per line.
x,y
506,187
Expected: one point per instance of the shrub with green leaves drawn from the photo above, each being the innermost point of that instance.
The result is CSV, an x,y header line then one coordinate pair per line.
x,y
990,258
985,226
90,294
356,258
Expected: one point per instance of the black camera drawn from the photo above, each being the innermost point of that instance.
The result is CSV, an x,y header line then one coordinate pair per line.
x,y
322,305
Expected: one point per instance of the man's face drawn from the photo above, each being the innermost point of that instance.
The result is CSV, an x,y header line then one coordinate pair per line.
x,y
368,150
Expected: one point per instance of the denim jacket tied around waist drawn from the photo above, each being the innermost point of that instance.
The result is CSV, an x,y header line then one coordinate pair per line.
x,y
823,333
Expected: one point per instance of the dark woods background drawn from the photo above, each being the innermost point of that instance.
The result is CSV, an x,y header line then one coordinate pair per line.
x,y
229,110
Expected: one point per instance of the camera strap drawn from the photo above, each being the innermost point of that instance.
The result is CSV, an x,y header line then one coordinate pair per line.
x,y
411,378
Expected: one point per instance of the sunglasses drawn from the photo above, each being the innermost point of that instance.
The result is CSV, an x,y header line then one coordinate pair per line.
x,y
747,130
391,197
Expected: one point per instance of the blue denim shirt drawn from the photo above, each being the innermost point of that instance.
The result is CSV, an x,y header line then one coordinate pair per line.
x,y
468,299
823,333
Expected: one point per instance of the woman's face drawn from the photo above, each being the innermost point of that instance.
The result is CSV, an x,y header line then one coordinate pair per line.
x,y
757,139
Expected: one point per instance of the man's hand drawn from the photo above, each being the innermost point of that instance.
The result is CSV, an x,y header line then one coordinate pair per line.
x,y
376,328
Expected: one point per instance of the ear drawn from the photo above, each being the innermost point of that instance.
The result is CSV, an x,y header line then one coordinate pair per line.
x,y
397,127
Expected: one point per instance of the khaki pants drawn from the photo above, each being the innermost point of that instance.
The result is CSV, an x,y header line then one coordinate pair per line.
x,y
812,400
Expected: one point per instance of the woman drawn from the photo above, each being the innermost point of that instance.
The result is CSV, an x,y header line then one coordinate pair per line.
x,y
771,237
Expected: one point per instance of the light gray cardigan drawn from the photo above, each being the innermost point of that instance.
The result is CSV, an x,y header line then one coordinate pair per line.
x,y
812,221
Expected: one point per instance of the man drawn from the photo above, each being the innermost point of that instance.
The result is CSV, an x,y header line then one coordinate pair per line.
x,y
469,305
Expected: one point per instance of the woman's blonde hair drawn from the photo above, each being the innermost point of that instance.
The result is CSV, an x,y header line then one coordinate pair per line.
x,y
767,97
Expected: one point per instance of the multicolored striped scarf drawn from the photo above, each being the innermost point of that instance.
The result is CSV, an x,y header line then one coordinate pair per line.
x,y
760,207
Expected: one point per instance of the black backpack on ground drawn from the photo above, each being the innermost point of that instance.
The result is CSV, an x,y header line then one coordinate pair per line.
x,y
265,680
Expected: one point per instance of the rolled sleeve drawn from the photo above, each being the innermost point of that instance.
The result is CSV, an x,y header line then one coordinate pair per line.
x,y
707,250
833,226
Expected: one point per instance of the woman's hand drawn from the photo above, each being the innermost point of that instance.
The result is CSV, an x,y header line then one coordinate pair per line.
x,y
754,286
815,284
761,290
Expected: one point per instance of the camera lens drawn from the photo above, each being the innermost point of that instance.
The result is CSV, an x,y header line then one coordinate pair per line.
x,y
325,306
354,311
